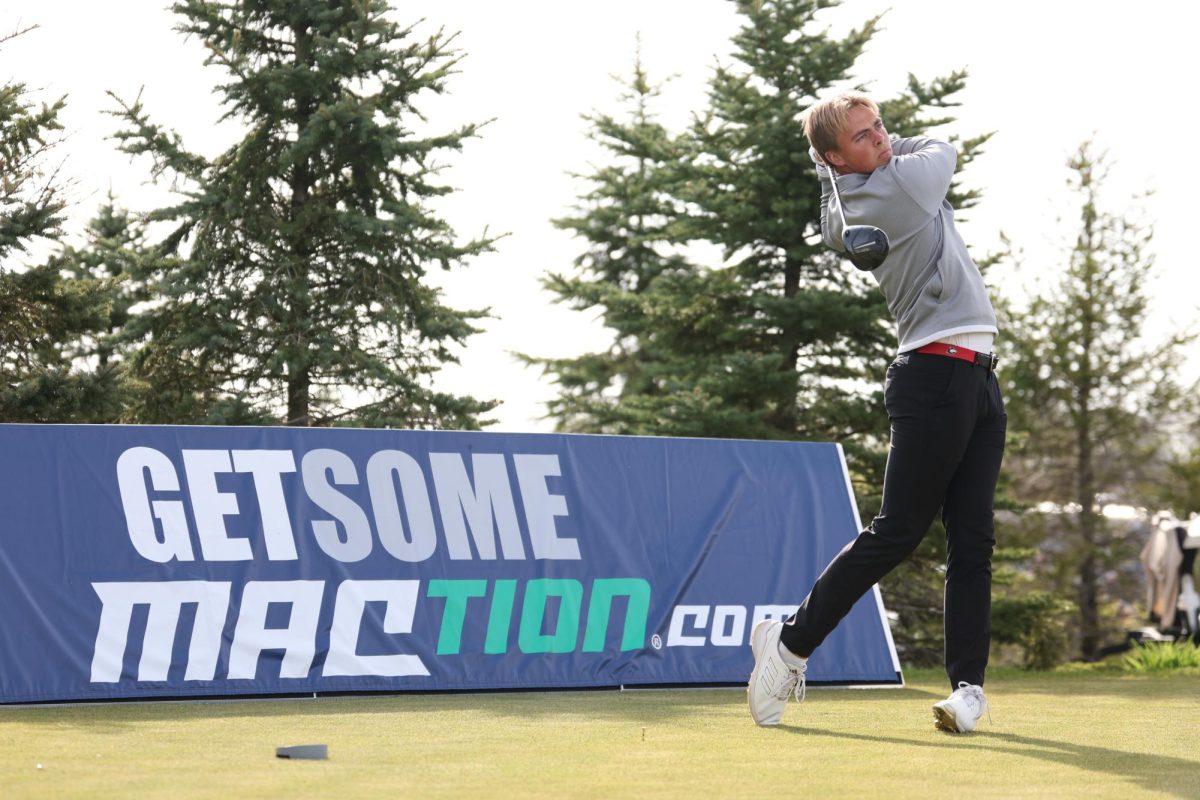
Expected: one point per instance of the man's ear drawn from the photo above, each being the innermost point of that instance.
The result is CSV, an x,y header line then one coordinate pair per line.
x,y
834,158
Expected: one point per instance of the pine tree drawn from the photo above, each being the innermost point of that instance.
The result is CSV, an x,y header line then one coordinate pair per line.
x,y
40,310
1087,394
296,287
627,220
114,249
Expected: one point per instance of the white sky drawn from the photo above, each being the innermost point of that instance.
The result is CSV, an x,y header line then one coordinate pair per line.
x,y
1044,75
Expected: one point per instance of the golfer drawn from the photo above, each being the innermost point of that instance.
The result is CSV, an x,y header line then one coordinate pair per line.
x,y
947,417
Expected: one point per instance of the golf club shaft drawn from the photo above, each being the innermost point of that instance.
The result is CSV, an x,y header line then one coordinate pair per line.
x,y
841,212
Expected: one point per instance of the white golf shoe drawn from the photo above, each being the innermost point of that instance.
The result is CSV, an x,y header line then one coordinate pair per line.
x,y
960,712
773,680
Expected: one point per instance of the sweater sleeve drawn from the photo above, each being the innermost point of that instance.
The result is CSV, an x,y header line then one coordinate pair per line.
x,y
924,168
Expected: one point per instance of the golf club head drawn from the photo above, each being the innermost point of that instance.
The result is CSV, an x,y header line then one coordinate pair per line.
x,y
866,246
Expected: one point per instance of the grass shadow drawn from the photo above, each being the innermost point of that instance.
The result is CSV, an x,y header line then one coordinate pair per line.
x,y
1179,777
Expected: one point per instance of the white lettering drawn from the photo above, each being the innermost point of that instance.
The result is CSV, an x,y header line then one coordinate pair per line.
x,y
477,505
728,628
165,600
210,506
679,617
541,507
266,467
316,468
422,539
486,506
140,513
722,616
352,598
298,639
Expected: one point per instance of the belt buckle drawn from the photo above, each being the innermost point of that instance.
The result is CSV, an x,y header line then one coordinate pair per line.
x,y
988,360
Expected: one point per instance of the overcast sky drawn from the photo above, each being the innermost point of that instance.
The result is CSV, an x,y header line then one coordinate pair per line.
x,y
1044,76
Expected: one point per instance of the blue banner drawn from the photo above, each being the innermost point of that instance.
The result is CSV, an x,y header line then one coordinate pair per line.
x,y
142,561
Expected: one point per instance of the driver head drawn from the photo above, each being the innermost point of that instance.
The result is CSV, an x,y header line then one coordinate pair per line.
x,y
866,246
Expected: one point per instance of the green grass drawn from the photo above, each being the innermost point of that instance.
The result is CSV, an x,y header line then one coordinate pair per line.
x,y
1051,735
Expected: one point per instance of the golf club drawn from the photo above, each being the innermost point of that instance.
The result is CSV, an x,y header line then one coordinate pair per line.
x,y
866,246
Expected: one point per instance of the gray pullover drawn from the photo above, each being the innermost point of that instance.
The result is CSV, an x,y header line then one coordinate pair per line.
x,y
931,285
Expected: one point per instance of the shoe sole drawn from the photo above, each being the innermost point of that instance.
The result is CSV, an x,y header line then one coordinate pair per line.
x,y
943,720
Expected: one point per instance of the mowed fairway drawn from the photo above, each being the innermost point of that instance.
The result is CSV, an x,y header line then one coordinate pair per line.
x,y
1051,735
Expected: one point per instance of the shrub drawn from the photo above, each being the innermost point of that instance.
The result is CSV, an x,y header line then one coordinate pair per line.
x,y
1037,622
1162,657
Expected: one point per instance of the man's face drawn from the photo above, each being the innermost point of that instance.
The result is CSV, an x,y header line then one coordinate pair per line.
x,y
863,146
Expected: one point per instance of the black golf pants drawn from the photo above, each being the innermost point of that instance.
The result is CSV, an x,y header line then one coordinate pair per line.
x,y
947,441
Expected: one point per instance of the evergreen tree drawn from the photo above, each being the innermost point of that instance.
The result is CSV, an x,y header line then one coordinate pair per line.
x,y
780,339
296,285
114,250
40,311
628,221
1087,395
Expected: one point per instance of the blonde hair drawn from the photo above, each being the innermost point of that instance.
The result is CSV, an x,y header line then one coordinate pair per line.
x,y
824,121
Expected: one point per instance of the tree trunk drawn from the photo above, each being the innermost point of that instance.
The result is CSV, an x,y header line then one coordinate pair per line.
x,y
784,416
1089,612
299,370
1085,497
298,399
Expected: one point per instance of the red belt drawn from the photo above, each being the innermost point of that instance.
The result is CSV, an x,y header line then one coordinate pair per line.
x,y
988,360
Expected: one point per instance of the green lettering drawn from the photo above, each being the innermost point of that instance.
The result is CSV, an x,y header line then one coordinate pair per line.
x,y
457,594
604,590
533,613
500,618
